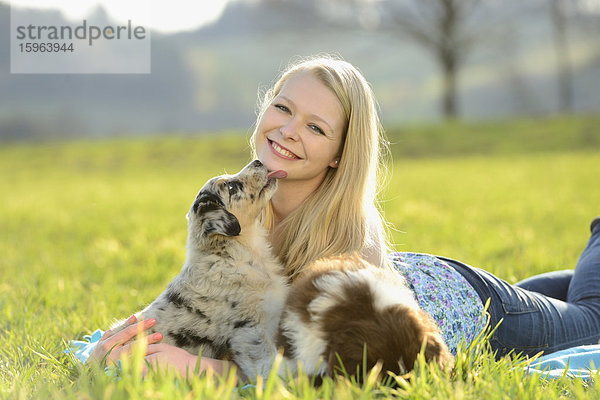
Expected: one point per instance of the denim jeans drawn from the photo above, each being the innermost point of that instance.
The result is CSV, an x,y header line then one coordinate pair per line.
x,y
548,312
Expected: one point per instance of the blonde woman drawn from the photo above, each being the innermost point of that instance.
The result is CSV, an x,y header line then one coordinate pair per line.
x,y
319,123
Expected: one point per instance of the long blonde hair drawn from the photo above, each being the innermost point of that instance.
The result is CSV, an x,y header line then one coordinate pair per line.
x,y
341,215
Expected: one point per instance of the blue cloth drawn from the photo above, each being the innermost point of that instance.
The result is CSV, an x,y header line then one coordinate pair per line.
x,y
81,349
581,362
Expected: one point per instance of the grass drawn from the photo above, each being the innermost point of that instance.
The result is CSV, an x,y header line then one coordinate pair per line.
x,y
91,231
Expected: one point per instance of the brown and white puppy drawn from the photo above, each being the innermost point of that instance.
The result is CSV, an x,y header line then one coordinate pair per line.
x,y
342,304
227,299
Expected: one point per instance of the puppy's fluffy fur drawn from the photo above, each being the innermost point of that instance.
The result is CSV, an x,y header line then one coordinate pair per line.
x,y
227,299
344,303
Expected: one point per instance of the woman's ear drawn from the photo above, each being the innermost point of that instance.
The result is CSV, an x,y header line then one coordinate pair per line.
x,y
335,163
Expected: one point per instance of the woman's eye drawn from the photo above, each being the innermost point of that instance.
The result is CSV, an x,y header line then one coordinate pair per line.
x,y
282,108
317,129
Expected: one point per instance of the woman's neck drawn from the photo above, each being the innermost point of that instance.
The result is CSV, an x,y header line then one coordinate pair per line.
x,y
288,198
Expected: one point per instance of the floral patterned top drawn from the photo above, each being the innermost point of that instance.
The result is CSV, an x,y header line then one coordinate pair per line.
x,y
445,294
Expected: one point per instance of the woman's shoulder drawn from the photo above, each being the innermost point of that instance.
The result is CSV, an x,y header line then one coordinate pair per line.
x,y
375,249
374,254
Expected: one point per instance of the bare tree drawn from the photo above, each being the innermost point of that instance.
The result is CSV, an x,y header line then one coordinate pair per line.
x,y
442,27
561,45
448,29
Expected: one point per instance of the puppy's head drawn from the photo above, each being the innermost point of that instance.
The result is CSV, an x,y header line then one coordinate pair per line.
x,y
228,203
393,336
377,316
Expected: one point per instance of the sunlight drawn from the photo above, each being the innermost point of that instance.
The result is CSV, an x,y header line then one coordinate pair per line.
x,y
166,17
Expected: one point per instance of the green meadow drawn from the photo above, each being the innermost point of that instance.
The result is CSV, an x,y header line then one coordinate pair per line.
x,y
91,231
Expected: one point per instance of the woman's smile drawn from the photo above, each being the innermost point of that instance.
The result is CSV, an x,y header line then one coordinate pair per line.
x,y
282,151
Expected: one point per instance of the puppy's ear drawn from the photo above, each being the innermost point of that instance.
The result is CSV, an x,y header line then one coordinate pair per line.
x,y
214,218
436,349
225,223
420,330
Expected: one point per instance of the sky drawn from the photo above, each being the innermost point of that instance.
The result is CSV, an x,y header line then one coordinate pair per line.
x,y
168,16
164,16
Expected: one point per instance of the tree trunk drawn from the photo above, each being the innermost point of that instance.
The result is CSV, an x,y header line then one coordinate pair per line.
x,y
561,45
449,64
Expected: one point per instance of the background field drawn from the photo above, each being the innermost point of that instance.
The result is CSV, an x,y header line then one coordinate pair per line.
x,y
91,231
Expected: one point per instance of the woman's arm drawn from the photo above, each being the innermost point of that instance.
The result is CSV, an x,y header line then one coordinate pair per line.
x,y
164,355
114,345
115,342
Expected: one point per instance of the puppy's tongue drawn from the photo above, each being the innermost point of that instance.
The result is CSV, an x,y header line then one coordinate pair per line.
x,y
279,174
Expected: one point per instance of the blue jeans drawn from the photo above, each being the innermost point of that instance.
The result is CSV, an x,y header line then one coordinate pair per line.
x,y
548,312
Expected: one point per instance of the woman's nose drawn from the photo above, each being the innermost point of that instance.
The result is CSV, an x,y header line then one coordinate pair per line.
x,y
290,130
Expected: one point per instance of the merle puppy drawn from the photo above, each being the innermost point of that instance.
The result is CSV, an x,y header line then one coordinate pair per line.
x,y
227,299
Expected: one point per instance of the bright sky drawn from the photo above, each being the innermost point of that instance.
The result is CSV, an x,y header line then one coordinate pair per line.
x,y
164,16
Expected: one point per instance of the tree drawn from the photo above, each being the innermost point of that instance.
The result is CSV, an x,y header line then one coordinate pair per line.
x,y
561,45
443,28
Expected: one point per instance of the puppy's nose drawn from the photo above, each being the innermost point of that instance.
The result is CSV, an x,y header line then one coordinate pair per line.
x,y
257,164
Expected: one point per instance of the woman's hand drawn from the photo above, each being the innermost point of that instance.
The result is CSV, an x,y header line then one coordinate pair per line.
x,y
163,355
113,344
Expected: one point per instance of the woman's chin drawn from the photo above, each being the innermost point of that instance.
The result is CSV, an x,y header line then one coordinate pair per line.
x,y
273,163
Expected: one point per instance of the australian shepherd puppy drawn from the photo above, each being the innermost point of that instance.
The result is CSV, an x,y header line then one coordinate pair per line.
x,y
227,299
343,306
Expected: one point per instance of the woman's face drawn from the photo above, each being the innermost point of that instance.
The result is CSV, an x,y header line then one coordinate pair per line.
x,y
301,131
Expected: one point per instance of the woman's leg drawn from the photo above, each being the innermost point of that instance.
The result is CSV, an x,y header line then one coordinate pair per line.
x,y
585,284
532,322
553,284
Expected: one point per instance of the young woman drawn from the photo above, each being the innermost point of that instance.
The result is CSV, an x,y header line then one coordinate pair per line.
x,y
319,123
